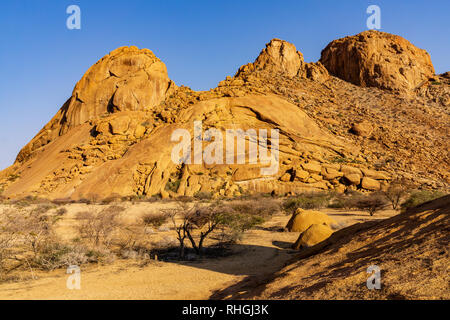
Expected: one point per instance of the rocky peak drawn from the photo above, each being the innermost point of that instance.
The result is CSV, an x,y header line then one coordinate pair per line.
x,y
278,56
378,59
127,79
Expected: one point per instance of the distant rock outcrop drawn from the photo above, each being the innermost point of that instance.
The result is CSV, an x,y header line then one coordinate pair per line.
x,y
378,59
280,57
113,135
127,79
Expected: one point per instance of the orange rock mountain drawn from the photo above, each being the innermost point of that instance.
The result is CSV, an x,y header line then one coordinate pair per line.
x,y
371,110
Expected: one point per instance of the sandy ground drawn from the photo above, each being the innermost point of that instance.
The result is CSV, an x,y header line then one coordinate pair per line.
x,y
261,252
410,250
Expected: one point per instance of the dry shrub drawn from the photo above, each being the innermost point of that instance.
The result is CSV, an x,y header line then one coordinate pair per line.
x,y
155,220
185,199
345,201
61,211
371,203
91,198
140,198
196,223
311,200
263,207
62,201
28,240
98,228
202,195
42,209
25,239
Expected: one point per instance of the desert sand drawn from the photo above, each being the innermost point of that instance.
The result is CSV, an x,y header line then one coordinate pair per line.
x,y
262,252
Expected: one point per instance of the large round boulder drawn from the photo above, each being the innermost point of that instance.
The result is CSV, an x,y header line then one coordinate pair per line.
x,y
378,59
303,219
313,235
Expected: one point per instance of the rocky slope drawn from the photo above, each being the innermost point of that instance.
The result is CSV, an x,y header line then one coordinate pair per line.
x,y
369,111
411,250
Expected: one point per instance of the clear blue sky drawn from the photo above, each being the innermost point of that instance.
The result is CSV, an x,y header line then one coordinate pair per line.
x,y
201,42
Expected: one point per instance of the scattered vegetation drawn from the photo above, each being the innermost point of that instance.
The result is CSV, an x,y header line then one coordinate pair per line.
x,y
344,160
28,240
173,185
371,203
98,228
307,201
421,196
155,220
196,223
203,195
13,177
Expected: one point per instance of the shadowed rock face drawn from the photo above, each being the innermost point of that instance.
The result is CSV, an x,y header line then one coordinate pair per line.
x,y
378,59
112,136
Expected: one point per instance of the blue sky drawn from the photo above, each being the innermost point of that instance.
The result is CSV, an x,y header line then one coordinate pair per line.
x,y
201,43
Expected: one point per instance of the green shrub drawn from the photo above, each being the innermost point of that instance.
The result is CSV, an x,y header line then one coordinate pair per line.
x,y
173,185
421,196
203,195
307,201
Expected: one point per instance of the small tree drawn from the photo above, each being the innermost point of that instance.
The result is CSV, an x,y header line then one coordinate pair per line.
x,y
371,203
394,193
206,221
180,228
198,223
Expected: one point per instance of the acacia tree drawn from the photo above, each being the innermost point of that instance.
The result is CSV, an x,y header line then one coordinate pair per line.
x,y
371,203
395,192
198,223
180,228
203,219
206,221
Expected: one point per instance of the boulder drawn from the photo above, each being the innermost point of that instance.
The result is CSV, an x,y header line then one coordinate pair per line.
x,y
370,184
378,59
303,219
139,131
312,167
377,175
363,129
313,235
350,170
316,72
331,174
352,178
301,174
119,125
286,177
